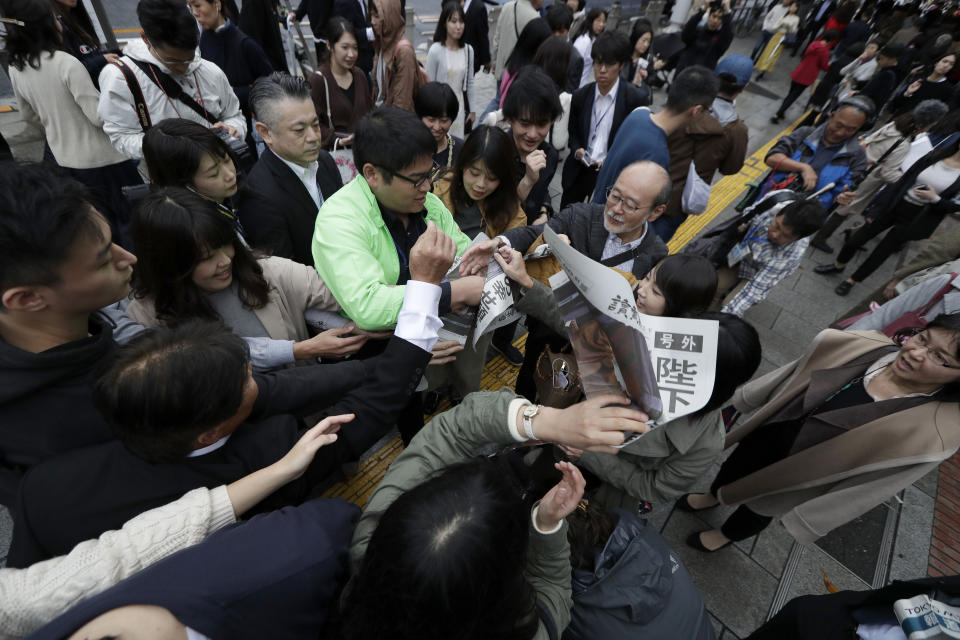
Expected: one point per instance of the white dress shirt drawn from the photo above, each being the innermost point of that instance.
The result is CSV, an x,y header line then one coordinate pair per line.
x,y
308,176
601,121
614,245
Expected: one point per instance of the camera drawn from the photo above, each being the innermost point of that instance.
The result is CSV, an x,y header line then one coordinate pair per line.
x,y
238,149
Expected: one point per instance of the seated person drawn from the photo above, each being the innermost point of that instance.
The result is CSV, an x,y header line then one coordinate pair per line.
x,y
293,177
36,595
165,54
616,234
196,417
530,108
181,153
776,241
437,106
58,267
372,223
622,566
192,265
276,576
499,568
825,154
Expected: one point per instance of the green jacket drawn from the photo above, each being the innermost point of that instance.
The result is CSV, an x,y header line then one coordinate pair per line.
x,y
454,436
357,259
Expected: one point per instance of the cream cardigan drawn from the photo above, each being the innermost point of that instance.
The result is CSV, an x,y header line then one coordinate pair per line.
x,y
32,597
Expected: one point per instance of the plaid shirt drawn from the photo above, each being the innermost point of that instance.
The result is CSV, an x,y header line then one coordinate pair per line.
x,y
766,265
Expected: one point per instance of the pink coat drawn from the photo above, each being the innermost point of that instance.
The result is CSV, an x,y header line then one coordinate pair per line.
x,y
815,59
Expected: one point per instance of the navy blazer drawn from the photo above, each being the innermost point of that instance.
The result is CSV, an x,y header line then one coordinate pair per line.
x,y
276,210
629,97
275,576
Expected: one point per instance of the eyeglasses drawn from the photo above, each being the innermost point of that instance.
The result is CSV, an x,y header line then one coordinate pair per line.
x,y
938,357
629,207
170,62
416,182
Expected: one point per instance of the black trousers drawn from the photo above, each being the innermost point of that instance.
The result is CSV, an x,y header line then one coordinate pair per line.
x,y
767,444
795,90
581,188
830,225
898,223
538,337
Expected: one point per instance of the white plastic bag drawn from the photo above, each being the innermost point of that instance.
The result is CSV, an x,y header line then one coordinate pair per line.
x,y
696,193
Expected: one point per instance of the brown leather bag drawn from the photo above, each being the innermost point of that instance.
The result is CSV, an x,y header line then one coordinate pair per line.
x,y
557,379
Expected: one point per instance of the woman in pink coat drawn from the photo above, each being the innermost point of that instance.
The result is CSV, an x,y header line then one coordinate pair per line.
x,y
815,59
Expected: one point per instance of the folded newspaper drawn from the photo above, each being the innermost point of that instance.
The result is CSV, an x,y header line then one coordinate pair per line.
x,y
666,366
923,617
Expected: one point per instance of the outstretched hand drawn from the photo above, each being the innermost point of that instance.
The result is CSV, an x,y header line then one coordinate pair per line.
x,y
513,265
598,424
563,498
477,256
297,460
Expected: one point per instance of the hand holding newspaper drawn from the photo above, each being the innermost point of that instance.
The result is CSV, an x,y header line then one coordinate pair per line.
x,y
666,366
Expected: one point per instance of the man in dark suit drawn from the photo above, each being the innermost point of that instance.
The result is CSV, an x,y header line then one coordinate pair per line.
x,y
616,234
476,33
197,416
356,12
319,13
279,202
596,112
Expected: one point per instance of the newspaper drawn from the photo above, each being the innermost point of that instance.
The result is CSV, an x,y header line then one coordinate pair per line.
x,y
456,326
666,366
923,617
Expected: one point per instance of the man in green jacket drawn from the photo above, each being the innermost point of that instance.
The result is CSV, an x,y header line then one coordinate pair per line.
x,y
364,232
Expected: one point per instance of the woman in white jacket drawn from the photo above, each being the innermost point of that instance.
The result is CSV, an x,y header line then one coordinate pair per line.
x,y
450,61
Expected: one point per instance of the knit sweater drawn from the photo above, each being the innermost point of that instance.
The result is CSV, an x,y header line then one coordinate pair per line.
x,y
31,597
61,99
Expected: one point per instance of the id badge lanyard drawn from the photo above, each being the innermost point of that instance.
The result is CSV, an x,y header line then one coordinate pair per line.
x,y
596,127
741,250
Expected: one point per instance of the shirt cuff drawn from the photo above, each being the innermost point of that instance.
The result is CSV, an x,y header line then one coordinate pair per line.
x,y
370,35
418,322
266,354
533,518
512,409
446,297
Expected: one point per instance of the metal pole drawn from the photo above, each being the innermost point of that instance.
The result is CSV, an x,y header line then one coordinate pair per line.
x,y
102,23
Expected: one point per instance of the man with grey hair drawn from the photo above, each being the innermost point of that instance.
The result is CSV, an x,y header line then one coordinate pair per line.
x,y
278,204
617,234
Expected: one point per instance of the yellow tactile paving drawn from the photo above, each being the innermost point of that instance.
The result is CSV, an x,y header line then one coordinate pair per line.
x,y
499,373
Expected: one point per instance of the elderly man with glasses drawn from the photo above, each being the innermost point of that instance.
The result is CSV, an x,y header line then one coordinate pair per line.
x,y
161,76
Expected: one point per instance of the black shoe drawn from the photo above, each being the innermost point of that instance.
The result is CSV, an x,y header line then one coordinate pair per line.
x,y
510,353
843,288
694,542
760,76
825,269
821,245
684,505
776,119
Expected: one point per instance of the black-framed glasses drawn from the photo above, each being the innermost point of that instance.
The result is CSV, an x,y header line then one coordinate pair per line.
x,y
628,206
416,182
922,337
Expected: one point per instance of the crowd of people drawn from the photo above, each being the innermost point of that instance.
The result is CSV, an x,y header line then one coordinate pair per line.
x,y
225,283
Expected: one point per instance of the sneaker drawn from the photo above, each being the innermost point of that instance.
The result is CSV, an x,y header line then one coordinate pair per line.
x,y
510,353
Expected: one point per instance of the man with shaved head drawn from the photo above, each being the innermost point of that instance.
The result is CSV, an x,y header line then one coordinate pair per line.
x,y
615,233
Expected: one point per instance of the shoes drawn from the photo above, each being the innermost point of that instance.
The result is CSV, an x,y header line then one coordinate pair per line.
x,y
776,119
510,353
825,269
843,288
759,76
821,245
694,542
683,505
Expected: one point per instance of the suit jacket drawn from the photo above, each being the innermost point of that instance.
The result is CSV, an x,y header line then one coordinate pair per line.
x,y
884,446
583,224
318,12
350,9
272,577
81,494
476,33
276,211
629,97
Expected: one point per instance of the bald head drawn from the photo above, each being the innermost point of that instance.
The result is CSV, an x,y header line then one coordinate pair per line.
x,y
639,195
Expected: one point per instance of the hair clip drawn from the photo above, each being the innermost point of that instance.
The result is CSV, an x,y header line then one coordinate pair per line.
x,y
19,23
583,504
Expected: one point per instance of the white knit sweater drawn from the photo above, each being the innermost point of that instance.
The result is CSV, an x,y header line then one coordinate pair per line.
x,y
31,597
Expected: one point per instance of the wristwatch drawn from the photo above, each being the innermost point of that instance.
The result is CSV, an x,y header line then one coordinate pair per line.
x,y
529,413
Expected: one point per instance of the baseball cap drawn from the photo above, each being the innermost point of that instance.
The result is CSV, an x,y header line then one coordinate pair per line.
x,y
740,67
